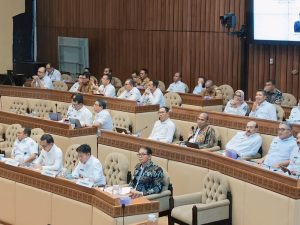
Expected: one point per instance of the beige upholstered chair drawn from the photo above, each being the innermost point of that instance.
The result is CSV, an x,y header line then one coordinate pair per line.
x,y
122,120
288,100
279,112
177,136
164,196
62,107
172,99
186,88
116,169
227,92
67,77
161,86
120,91
94,79
116,82
71,157
60,86
2,132
36,134
212,204
42,109
19,106
10,137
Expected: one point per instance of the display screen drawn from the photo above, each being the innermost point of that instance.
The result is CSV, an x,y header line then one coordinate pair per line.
x,y
275,20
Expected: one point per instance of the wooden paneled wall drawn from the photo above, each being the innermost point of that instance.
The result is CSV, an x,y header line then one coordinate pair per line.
x,y
164,36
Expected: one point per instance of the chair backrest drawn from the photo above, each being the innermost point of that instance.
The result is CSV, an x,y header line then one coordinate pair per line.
x,y
161,86
42,109
11,134
288,100
279,112
94,79
116,82
166,179
60,85
67,77
71,157
122,120
215,187
62,107
227,92
116,167
172,99
36,134
19,106
186,88
177,135
120,91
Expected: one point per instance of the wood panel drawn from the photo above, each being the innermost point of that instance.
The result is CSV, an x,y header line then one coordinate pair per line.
x,y
164,36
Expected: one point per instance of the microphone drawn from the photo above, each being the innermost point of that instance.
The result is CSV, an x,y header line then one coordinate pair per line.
x,y
56,111
193,133
139,132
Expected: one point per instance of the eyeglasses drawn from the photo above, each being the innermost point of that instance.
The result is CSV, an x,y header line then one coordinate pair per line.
x,y
282,129
141,154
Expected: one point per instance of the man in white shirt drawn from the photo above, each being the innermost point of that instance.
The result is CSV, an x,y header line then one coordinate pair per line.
x,y
177,85
106,88
103,120
246,143
131,92
294,164
41,80
51,155
261,108
200,85
280,148
89,167
295,114
153,95
52,73
78,111
75,86
25,149
164,128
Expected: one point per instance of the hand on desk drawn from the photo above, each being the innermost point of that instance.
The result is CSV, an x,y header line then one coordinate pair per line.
x,y
37,166
135,194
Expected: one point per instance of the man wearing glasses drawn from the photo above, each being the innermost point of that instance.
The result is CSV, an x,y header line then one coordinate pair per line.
x,y
147,177
237,105
280,148
130,92
41,80
75,86
106,88
51,155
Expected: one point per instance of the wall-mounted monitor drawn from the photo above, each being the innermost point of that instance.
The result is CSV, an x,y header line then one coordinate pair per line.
x,y
274,21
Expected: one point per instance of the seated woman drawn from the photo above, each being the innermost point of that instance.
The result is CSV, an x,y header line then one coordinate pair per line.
x,y
237,105
147,177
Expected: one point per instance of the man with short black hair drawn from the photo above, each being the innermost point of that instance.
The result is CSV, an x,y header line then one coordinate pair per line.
x,y
78,111
103,120
106,88
25,149
51,155
153,95
89,167
211,90
41,80
164,128
87,86
130,92
52,73
177,85
143,78
273,95
75,86
261,108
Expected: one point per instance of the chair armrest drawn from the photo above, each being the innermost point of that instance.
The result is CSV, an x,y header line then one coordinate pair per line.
x,y
256,156
213,149
187,199
159,195
3,144
212,205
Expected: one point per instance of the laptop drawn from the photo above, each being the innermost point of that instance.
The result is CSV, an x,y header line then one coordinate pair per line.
x,y
191,145
122,130
76,122
55,116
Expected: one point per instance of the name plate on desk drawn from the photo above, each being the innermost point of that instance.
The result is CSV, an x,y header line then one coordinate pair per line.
x,y
85,183
49,173
11,162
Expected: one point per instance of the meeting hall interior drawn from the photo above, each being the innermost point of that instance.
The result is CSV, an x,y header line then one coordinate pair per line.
x,y
149,112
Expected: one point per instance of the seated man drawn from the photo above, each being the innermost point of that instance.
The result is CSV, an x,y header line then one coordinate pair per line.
x,y
78,111
52,73
294,164
51,155
295,114
211,90
164,128
204,135
274,96
261,108
135,77
147,176
41,80
75,86
177,85
131,92
143,78
103,120
237,105
87,86
153,95
25,149
280,148
89,166
106,88
246,143
200,85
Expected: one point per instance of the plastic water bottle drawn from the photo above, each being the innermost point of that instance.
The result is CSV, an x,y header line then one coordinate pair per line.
x,y
152,219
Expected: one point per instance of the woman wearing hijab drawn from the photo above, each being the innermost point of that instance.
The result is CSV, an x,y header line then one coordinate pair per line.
x,y
237,105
